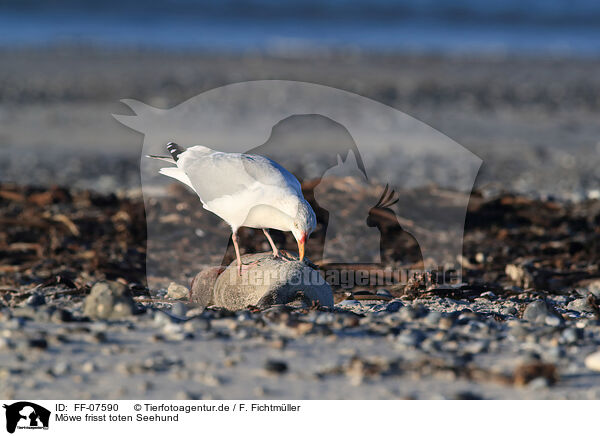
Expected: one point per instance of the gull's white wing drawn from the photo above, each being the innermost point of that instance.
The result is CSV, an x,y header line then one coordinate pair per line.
x,y
215,174
177,174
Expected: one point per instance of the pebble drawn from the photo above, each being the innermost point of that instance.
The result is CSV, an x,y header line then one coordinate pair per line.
x,y
276,366
412,338
89,367
580,305
394,306
349,304
555,353
195,324
477,347
61,315
161,318
407,313
176,291
433,319
509,311
538,383
6,344
16,323
36,299
445,323
539,312
40,343
109,300
592,361
179,309
571,335
553,320
61,368
466,395
384,293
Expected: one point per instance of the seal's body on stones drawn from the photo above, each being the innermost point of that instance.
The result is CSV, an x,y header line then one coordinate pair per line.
x,y
268,281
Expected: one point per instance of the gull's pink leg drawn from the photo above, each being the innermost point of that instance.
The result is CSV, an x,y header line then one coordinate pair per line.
x,y
234,238
275,250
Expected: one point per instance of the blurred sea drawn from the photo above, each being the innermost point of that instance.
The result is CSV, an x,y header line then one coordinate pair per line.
x,y
287,26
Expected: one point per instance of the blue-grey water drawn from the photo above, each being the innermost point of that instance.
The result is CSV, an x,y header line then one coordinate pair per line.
x,y
530,26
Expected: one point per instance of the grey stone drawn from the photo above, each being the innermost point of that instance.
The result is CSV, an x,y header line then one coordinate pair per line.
x,y
539,312
466,317
276,366
555,353
592,361
61,315
61,368
509,311
553,321
161,318
580,305
89,367
197,323
384,293
203,285
176,291
179,309
109,300
538,383
521,274
268,281
394,306
411,338
591,286
407,313
6,344
40,343
349,303
571,335
476,347
36,299
433,318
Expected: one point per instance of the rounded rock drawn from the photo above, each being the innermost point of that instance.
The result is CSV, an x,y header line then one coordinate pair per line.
x,y
592,361
36,299
269,281
109,300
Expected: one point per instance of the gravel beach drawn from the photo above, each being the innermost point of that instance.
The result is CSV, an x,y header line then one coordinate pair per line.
x,y
80,318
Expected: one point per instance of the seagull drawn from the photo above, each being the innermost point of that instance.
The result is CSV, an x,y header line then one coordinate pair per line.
x,y
244,190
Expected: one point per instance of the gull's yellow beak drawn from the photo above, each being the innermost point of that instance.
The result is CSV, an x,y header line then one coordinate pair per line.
x,y
301,243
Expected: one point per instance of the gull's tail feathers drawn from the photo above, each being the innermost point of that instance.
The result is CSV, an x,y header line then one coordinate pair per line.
x,y
177,174
175,150
165,158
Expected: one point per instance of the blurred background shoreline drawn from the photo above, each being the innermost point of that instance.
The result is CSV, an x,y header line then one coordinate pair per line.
x,y
533,121
281,27
515,82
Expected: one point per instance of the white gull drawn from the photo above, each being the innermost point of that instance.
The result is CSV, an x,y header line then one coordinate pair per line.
x,y
245,191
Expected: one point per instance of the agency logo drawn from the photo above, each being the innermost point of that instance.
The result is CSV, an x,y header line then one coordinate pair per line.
x,y
24,415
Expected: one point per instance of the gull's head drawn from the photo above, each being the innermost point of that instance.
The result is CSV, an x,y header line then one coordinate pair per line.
x,y
303,225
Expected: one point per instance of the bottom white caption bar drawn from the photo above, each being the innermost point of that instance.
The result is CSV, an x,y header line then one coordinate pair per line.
x,y
294,417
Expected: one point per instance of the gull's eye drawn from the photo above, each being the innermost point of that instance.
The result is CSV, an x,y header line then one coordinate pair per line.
x,y
296,225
